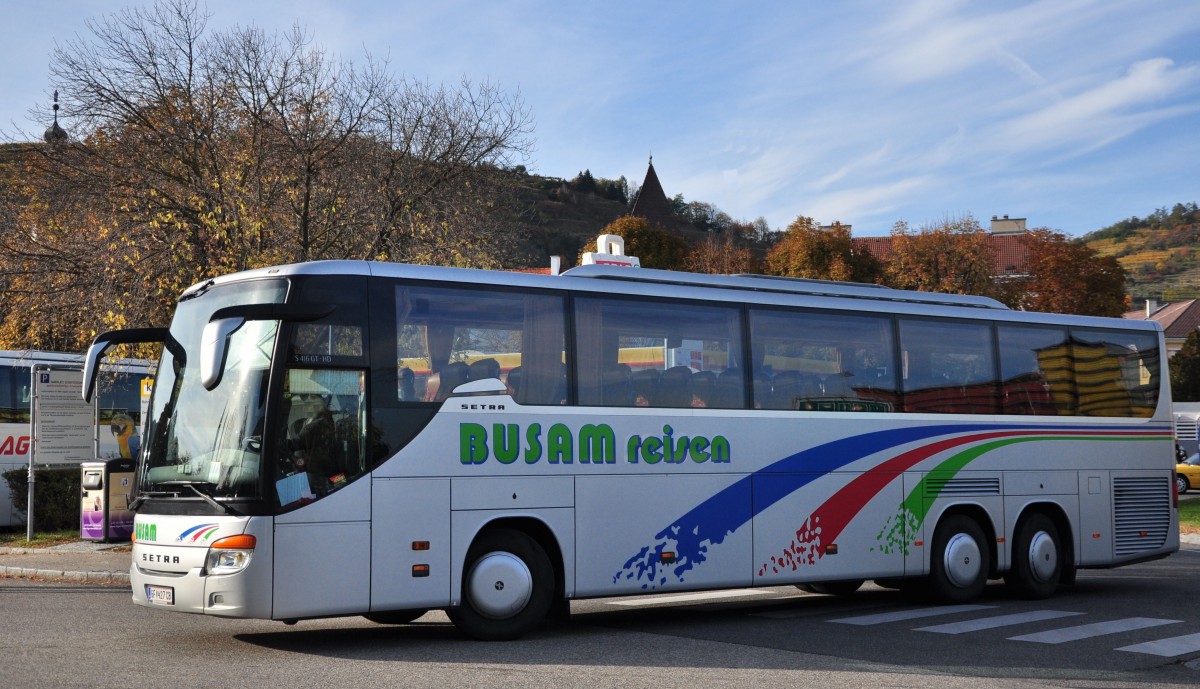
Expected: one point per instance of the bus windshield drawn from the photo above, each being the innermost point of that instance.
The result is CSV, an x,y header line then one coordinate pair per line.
x,y
208,442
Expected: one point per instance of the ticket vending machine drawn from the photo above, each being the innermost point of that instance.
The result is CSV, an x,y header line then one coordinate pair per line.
x,y
104,513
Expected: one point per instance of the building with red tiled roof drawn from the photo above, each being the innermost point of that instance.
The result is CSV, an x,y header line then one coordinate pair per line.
x,y
1178,320
1010,252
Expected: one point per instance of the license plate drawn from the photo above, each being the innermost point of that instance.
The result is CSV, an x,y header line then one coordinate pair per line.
x,y
160,595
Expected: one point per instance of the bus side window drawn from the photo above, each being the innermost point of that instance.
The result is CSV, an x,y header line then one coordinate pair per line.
x,y
643,353
448,336
821,361
1035,372
950,367
326,427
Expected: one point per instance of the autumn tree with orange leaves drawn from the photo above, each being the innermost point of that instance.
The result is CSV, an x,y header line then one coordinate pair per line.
x,y
723,253
1067,276
808,251
954,256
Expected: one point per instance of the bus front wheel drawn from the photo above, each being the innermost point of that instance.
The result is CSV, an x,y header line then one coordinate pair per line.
x,y
959,561
507,588
1037,559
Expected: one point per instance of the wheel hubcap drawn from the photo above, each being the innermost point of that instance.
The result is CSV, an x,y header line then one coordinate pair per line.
x,y
1043,556
962,560
500,585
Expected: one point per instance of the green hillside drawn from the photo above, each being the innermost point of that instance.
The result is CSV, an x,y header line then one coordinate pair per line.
x,y
1161,251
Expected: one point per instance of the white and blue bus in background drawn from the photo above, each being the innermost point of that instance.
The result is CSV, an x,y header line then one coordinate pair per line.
x,y
354,438
118,412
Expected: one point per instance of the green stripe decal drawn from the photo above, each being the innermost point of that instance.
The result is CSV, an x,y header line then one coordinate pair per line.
x,y
915,508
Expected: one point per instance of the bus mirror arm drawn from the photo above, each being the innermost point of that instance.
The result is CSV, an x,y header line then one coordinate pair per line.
x,y
225,322
100,345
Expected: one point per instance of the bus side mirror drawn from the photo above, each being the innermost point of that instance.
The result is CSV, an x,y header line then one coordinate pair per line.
x,y
213,346
214,341
100,345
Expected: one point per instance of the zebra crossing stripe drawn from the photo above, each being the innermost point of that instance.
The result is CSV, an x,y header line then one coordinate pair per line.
x,y
914,614
997,621
1174,646
1086,631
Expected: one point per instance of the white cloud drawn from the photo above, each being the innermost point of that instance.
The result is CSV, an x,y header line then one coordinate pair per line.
x,y
1103,113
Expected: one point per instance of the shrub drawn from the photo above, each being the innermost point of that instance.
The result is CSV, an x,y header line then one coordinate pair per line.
x,y
57,496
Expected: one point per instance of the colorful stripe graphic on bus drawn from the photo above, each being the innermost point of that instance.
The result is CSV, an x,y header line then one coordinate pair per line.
x,y
829,520
707,525
915,507
203,532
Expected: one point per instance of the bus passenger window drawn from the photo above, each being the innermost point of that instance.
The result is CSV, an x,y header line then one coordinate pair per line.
x,y
1035,371
822,361
448,336
1116,373
949,367
641,353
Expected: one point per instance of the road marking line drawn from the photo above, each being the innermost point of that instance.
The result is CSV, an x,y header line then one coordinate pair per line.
x,y
900,615
1086,631
689,597
1174,646
997,621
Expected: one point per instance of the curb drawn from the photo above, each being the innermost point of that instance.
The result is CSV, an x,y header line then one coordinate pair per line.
x,y
42,572
107,578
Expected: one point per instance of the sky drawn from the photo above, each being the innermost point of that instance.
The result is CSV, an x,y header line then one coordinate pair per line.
x,y
1073,114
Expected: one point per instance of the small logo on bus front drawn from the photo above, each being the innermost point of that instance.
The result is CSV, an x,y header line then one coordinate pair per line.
x,y
199,533
145,532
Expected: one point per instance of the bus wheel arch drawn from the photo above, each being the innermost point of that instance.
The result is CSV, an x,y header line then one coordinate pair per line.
x,y
1043,552
510,581
962,555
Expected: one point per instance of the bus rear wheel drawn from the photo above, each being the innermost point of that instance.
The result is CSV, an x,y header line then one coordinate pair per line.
x,y
1037,559
507,587
959,561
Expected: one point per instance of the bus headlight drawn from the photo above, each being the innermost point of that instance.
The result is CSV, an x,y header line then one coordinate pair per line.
x,y
229,555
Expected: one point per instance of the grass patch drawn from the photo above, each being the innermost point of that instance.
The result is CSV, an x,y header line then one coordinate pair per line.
x,y
1189,516
45,539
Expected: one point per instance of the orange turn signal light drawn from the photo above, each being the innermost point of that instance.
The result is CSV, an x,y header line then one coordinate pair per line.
x,y
240,542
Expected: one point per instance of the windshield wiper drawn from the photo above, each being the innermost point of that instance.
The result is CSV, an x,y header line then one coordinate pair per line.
x,y
199,291
193,486
144,495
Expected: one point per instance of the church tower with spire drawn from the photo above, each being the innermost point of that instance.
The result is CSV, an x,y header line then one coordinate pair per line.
x,y
651,202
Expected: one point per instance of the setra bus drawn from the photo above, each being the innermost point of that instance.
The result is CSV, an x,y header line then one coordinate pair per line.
x,y
354,438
